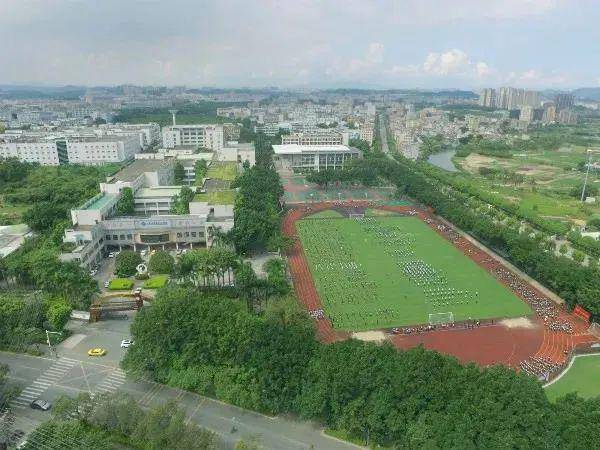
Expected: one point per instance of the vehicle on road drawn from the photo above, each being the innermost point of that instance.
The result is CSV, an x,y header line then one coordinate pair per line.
x,y
126,343
96,352
178,252
143,253
138,290
106,284
111,255
40,404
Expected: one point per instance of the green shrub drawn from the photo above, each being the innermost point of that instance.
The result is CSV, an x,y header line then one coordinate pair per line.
x,y
156,282
127,262
120,284
161,262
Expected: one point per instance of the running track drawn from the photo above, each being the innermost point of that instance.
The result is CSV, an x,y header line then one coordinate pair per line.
x,y
494,344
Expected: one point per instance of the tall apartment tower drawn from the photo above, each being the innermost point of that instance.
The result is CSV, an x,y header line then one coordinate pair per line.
x,y
487,98
564,101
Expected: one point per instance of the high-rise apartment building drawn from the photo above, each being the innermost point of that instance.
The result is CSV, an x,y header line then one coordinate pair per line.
x,y
564,101
487,98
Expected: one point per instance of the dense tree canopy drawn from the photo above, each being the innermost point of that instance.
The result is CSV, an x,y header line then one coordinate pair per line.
x,y
404,399
257,208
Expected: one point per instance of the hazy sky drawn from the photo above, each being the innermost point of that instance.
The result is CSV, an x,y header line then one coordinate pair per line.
x,y
368,43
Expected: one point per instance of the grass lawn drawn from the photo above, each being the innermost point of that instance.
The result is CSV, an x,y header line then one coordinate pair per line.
x,y
120,284
583,377
226,171
225,197
328,213
156,282
392,271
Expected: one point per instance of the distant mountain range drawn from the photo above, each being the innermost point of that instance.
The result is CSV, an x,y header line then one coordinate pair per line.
x,y
592,93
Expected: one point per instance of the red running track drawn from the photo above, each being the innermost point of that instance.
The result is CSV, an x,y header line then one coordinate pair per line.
x,y
486,345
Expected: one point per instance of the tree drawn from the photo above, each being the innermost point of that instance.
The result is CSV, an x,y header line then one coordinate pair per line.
x,y
161,262
179,173
200,169
180,203
127,262
58,314
126,204
578,256
43,215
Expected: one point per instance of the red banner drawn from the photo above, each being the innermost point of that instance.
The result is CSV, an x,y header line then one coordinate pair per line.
x,y
581,312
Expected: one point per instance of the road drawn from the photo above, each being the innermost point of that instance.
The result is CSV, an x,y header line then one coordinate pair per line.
x,y
74,372
383,134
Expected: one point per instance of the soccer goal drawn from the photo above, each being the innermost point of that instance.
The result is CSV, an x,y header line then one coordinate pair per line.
x,y
356,216
594,329
441,318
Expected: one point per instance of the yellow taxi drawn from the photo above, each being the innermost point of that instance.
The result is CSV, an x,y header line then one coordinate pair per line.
x,y
96,352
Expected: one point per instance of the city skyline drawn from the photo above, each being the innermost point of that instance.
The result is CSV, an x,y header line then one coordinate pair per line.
x,y
404,44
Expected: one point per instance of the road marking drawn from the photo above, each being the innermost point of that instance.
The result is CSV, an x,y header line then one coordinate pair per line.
x,y
200,403
112,382
49,377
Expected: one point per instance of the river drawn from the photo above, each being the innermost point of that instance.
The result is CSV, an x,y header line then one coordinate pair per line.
x,y
443,160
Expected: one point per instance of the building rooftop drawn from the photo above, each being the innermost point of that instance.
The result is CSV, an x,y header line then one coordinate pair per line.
x,y
138,167
286,149
98,201
224,197
159,191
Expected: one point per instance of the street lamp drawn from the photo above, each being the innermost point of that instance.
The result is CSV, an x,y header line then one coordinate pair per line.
x,y
52,349
587,173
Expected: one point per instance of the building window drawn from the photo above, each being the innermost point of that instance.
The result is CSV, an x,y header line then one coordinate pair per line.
x,y
129,236
122,237
187,234
115,237
179,235
108,237
193,234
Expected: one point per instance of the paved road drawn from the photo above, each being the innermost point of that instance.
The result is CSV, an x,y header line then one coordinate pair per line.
x,y
74,372
383,133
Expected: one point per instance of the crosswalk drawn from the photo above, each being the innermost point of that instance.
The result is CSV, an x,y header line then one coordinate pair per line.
x,y
52,375
112,382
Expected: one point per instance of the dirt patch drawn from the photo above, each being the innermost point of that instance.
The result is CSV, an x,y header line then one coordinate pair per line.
x,y
519,322
370,336
474,161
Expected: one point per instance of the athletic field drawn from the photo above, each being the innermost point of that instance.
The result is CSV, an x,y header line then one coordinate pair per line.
x,y
583,377
381,272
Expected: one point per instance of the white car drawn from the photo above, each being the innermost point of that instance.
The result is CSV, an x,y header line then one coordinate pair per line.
x,y
178,252
106,284
111,255
143,253
126,343
138,290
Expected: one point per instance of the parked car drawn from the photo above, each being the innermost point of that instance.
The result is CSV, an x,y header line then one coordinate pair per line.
x,y
178,252
96,352
126,343
40,404
138,290
111,255
106,284
143,253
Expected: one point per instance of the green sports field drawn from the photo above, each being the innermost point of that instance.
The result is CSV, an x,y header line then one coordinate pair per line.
x,y
583,377
381,272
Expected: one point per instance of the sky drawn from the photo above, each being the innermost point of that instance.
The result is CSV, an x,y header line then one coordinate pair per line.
x,y
465,44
